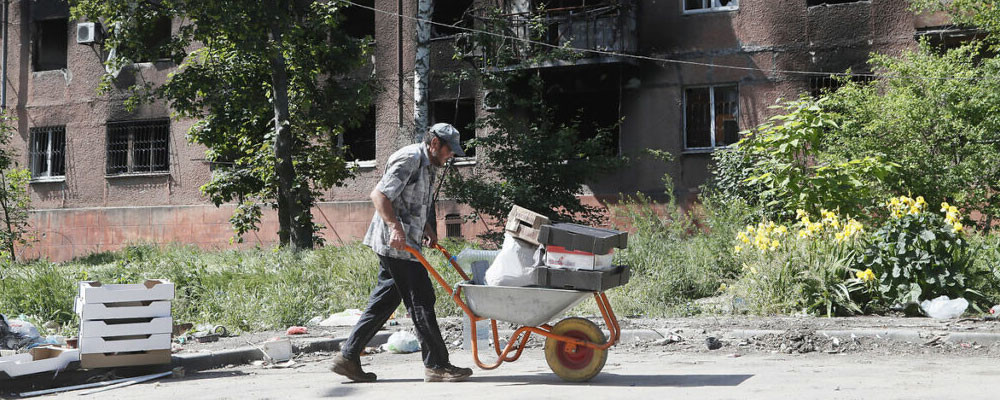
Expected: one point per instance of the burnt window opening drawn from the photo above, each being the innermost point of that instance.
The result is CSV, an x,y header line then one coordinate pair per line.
x,y
136,147
359,22
461,114
820,85
812,3
48,152
155,40
710,5
360,140
711,116
944,38
453,225
589,100
51,38
450,13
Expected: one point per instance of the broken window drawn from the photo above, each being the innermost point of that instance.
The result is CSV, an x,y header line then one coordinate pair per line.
x,y
710,5
710,116
359,22
461,114
155,40
47,152
138,146
810,3
360,140
819,85
51,37
447,15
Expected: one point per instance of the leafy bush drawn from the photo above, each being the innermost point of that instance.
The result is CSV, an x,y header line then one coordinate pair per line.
x,y
781,166
943,133
917,254
803,267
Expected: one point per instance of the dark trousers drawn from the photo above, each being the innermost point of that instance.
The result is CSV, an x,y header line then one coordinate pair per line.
x,y
407,281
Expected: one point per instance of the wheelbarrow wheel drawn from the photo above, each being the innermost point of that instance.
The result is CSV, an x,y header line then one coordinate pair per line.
x,y
576,363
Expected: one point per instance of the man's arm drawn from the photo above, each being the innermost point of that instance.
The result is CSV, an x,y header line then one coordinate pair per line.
x,y
383,206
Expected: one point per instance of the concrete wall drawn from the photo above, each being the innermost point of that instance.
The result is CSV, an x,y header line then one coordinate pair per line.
x,y
89,211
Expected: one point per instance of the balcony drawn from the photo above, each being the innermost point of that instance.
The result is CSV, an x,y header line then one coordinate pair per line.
x,y
608,29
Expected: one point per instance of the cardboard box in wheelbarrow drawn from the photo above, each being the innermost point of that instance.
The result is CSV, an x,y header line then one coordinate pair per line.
x,y
597,280
125,325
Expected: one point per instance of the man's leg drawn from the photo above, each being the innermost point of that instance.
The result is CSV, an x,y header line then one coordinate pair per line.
x,y
383,301
418,295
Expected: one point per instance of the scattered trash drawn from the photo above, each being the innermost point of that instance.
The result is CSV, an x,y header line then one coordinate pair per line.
x,y
17,334
277,351
297,330
371,350
943,307
180,329
994,313
106,385
403,342
669,340
712,343
315,320
348,317
37,360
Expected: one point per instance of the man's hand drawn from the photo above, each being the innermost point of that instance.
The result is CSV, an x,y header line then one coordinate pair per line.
x,y
397,239
431,236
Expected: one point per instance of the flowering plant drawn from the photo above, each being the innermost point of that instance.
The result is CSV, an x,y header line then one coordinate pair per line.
x,y
916,254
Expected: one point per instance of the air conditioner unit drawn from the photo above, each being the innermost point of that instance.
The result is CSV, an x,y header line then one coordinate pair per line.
x,y
86,32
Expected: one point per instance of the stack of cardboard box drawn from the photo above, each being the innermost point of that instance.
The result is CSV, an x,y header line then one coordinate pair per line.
x,y
125,325
580,257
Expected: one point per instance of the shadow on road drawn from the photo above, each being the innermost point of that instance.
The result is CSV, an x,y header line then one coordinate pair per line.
x,y
606,379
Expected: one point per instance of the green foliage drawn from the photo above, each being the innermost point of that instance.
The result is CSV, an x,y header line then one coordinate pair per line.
x,y
781,166
918,256
936,118
245,290
15,201
242,66
527,157
676,256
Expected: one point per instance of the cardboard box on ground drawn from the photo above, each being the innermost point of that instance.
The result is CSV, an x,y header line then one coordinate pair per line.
x,y
125,325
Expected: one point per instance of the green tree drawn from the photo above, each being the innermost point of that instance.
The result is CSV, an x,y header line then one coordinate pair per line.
x,y
15,202
268,83
936,115
527,157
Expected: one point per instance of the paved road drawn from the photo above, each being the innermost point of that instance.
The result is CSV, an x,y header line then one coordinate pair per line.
x,y
653,374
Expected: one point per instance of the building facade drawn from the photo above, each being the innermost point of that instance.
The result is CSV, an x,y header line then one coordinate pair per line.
x,y
104,176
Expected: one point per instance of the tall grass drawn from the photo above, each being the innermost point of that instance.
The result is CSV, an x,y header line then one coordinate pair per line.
x,y
246,290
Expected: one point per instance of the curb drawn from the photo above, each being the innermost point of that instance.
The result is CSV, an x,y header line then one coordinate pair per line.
x,y
246,355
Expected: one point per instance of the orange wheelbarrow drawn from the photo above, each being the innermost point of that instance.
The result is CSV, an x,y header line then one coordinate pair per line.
x,y
575,348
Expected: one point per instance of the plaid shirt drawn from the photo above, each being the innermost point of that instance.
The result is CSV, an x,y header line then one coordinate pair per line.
x,y
407,182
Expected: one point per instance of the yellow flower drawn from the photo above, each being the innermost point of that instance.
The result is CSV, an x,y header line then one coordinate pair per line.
x,y
737,249
781,230
944,206
866,275
723,287
957,227
800,213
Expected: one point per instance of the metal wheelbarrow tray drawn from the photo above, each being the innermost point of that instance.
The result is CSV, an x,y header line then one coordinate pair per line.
x,y
575,348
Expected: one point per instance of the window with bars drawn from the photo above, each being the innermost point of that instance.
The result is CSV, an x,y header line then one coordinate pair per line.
x,y
695,6
453,223
824,84
710,116
136,147
48,152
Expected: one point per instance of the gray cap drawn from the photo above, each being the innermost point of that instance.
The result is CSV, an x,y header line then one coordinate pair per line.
x,y
449,135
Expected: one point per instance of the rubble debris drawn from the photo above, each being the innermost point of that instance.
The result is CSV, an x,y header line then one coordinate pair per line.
x,y
713,343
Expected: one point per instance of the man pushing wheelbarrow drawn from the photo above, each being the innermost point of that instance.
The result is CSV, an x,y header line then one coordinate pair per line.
x,y
403,201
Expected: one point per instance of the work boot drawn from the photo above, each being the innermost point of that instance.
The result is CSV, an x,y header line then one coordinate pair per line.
x,y
351,369
448,373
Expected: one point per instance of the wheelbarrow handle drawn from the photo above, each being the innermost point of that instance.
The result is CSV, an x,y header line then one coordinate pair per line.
x,y
433,271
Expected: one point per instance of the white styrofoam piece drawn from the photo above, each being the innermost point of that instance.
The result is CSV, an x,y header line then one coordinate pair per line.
x,y
154,289
101,328
578,261
278,350
89,311
90,345
25,364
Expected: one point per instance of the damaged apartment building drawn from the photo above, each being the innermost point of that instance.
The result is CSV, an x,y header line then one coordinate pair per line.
x,y
684,76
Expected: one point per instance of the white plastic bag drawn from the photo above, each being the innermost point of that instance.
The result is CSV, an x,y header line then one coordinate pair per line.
x,y
944,308
403,342
514,265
